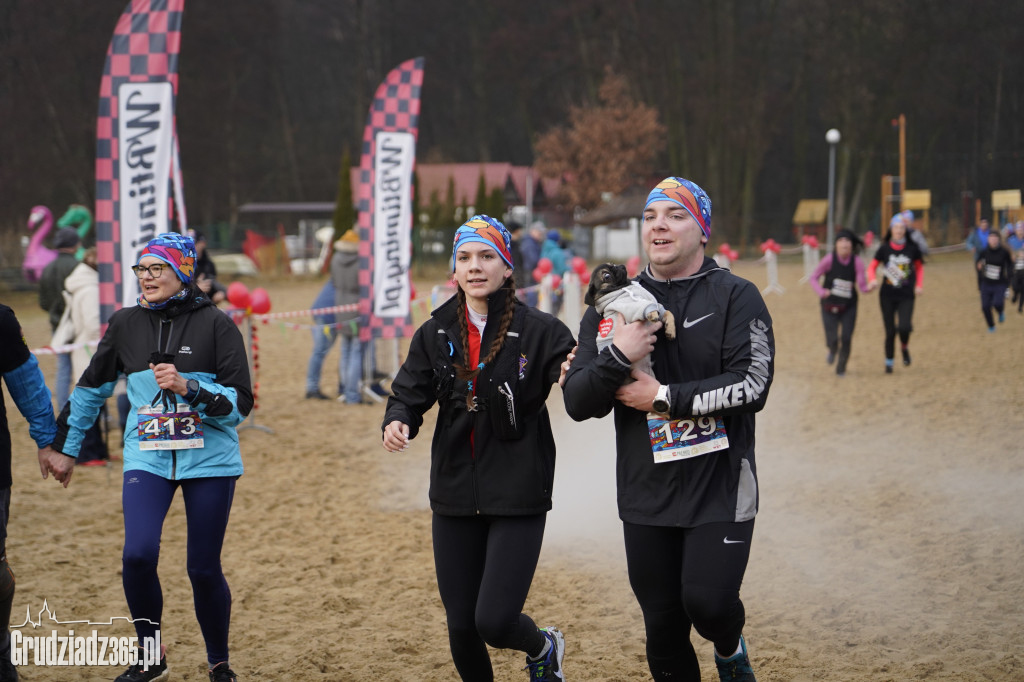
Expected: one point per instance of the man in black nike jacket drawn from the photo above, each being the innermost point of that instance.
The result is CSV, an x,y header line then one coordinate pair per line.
x,y
686,475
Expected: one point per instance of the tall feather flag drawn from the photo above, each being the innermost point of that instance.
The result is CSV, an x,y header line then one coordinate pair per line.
x,y
384,193
137,167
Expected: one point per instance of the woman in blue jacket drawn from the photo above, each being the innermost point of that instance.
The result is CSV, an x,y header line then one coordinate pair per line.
x,y
489,361
189,388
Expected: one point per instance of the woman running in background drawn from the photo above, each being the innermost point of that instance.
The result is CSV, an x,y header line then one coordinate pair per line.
x,y
995,267
903,277
844,274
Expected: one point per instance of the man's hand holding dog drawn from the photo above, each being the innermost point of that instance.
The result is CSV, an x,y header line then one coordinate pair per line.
x,y
636,339
639,394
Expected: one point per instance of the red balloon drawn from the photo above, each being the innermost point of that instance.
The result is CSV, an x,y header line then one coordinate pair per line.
x,y
556,281
545,265
632,265
585,277
260,301
238,295
579,265
537,274
733,254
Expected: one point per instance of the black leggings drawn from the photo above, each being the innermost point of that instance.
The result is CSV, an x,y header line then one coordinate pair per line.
x,y
839,332
895,310
485,565
685,577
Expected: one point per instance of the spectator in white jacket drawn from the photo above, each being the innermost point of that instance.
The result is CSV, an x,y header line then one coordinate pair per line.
x,y
82,305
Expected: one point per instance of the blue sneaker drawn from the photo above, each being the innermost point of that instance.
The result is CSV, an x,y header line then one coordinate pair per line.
x,y
1002,316
736,668
548,668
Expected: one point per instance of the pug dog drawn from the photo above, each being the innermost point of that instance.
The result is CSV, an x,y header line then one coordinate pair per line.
x,y
611,291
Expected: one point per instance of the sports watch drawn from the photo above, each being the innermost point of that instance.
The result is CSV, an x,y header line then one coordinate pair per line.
x,y
191,390
662,403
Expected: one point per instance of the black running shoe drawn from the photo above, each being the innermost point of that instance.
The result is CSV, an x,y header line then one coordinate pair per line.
x,y
222,673
548,668
157,672
906,357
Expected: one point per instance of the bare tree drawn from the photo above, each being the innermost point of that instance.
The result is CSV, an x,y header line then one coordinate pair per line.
x,y
606,148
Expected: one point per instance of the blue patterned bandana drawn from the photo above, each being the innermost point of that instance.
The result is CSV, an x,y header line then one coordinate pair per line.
x,y
486,230
687,194
176,250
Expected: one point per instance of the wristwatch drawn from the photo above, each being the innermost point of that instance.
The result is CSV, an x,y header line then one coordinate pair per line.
x,y
191,389
662,402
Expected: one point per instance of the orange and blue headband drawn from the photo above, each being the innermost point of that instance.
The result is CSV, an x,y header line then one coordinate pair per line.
x,y
687,194
486,230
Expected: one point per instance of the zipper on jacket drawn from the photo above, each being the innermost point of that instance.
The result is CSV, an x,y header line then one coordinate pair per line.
x,y
506,391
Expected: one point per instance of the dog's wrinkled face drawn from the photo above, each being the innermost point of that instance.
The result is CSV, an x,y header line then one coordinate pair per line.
x,y
606,277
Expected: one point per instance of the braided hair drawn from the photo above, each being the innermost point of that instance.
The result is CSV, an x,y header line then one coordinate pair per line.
x,y
465,373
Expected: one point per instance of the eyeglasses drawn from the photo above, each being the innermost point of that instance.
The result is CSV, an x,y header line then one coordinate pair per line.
x,y
154,270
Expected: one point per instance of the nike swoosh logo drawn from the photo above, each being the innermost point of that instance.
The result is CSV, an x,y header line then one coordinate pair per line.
x,y
689,323
731,542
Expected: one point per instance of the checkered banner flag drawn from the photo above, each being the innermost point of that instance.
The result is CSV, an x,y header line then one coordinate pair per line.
x,y
385,191
138,177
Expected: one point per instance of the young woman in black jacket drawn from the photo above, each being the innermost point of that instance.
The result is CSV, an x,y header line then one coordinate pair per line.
x,y
493,453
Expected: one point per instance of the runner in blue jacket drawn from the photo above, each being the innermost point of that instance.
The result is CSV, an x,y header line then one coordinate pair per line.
x,y
26,386
189,387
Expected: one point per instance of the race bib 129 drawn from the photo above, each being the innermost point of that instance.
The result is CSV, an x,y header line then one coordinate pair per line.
x,y
673,439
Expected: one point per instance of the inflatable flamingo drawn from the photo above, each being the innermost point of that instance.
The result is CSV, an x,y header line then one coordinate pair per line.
x,y
40,222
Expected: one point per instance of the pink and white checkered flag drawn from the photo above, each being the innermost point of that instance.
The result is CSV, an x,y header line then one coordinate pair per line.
x,y
384,192
136,144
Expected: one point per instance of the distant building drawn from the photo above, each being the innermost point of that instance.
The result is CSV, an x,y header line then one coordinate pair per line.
x,y
525,192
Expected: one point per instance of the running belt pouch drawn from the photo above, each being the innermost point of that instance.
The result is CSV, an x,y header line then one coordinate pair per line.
x,y
835,308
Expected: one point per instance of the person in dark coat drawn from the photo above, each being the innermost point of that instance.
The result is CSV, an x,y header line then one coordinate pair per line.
x,y
488,361
686,473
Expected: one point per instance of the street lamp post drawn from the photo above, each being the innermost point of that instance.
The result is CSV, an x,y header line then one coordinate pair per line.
x,y
832,137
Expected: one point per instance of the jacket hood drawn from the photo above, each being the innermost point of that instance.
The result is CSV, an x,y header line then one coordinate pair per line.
x,y
80,278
